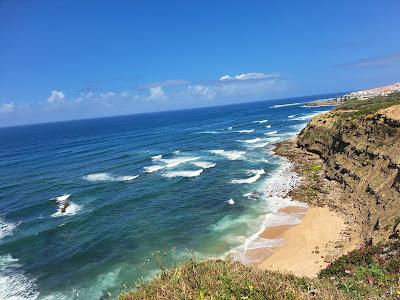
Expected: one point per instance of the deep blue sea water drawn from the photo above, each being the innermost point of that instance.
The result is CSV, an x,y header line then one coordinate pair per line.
x,y
200,181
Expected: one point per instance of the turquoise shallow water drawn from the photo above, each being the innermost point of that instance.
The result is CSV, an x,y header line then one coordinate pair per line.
x,y
202,181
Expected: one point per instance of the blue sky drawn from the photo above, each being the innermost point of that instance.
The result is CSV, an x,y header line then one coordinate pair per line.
x,y
63,60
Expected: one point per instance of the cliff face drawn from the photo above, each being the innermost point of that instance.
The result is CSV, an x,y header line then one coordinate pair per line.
x,y
362,154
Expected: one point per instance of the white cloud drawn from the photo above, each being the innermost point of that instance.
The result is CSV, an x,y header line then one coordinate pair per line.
x,y
246,76
7,107
107,95
56,97
157,93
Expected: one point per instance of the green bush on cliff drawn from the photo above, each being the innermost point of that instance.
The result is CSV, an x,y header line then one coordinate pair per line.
x,y
357,108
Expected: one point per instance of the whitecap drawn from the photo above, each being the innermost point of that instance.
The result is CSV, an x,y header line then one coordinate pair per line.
x,y
231,155
172,174
210,132
230,128
245,131
256,175
230,201
14,284
107,177
310,116
261,121
252,141
268,126
271,132
173,162
62,198
6,228
284,105
152,169
70,210
126,178
204,164
291,116
156,157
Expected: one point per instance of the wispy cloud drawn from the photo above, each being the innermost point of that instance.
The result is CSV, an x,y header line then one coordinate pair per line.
x,y
7,107
377,61
164,95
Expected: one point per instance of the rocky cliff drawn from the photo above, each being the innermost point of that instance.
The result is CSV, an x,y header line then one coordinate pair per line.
x,y
361,151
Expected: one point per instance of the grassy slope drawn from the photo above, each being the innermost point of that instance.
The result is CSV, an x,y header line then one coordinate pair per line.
x,y
369,273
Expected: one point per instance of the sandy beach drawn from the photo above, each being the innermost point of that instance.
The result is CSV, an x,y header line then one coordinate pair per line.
x,y
308,245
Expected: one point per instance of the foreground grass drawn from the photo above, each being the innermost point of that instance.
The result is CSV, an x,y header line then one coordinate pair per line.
x,y
226,279
369,273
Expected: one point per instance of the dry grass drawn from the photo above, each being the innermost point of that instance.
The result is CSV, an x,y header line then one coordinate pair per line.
x,y
225,279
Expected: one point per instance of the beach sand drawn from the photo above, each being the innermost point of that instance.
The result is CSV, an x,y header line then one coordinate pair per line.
x,y
307,245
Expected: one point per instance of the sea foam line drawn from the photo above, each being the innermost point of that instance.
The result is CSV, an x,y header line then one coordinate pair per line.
x,y
172,174
231,155
108,177
256,175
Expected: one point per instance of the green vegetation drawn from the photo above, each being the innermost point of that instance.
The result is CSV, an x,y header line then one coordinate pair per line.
x,y
357,108
373,271
226,279
315,168
370,273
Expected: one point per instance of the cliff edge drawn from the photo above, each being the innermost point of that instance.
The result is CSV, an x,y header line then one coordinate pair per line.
x,y
359,143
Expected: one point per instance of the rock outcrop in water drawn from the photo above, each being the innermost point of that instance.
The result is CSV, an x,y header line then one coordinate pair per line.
x,y
361,151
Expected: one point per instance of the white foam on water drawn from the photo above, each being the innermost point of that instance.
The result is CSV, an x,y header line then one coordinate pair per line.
x,y
14,284
156,157
172,174
271,132
268,126
261,121
245,131
230,128
210,132
6,228
204,164
310,116
256,175
230,201
173,162
63,197
108,177
231,155
260,145
284,105
291,116
152,169
127,178
71,210
273,191
252,141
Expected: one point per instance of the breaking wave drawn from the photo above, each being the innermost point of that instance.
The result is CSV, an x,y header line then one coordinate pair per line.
x,y
14,284
204,164
256,175
172,174
6,228
152,169
284,105
261,121
231,155
245,131
108,177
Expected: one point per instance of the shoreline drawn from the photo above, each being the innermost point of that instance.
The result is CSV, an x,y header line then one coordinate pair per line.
x,y
324,231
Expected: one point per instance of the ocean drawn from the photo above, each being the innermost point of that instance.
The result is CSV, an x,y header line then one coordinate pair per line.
x,y
160,186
